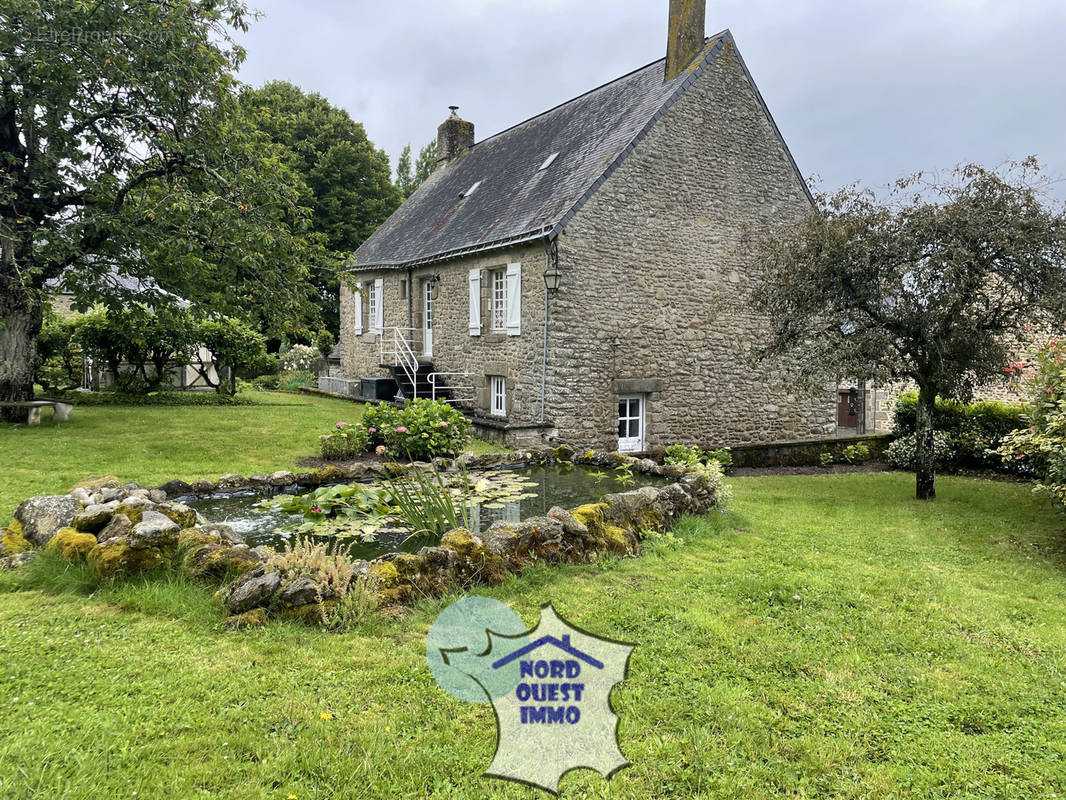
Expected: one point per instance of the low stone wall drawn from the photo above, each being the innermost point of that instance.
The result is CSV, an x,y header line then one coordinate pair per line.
x,y
805,453
127,528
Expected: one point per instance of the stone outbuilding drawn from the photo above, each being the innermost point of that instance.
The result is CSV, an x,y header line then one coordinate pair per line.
x,y
582,276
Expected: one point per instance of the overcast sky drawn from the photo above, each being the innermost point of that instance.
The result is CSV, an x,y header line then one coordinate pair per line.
x,y
863,90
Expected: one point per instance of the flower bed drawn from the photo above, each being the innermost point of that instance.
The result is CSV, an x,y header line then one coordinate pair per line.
x,y
128,528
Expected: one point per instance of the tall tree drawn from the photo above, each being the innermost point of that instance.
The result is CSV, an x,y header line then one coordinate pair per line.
x,y
120,151
349,181
932,284
426,163
405,179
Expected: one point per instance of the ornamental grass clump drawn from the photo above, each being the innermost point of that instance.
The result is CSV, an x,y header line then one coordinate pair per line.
x,y
427,505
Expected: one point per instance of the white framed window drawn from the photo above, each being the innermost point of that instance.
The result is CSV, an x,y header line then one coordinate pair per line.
x,y
631,423
497,396
375,317
498,300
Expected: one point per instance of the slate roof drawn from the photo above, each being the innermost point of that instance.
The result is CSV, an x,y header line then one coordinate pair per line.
x,y
515,202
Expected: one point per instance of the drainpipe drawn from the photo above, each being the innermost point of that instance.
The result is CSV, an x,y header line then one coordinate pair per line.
x,y
544,356
410,310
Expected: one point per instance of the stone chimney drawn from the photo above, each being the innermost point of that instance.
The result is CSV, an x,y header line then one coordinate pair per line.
x,y
685,40
454,137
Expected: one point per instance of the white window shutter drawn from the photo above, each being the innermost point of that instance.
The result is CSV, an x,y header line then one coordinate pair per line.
x,y
358,309
379,306
514,299
475,302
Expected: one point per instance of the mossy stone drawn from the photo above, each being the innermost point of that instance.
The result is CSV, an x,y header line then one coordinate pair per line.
x,y
133,513
96,484
249,619
71,544
12,541
107,559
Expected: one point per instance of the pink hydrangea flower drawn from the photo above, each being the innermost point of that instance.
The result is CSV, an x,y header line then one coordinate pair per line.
x,y
373,430
380,450
401,429
443,424
342,425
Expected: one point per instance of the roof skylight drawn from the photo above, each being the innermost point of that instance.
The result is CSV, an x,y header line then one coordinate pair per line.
x,y
548,161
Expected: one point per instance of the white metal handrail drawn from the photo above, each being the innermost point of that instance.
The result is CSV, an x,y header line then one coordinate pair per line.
x,y
395,350
453,387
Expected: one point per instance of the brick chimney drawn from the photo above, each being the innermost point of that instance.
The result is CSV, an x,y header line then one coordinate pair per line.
x,y
685,40
454,137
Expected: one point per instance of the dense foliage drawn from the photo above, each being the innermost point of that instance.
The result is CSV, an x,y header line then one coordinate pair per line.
x,y
929,285
1042,441
971,433
346,181
123,153
408,177
60,359
140,346
691,456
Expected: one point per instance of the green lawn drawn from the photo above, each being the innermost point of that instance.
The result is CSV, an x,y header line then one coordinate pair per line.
x,y
831,637
153,444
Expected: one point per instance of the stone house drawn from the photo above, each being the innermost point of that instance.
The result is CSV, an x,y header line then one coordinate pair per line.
x,y
581,276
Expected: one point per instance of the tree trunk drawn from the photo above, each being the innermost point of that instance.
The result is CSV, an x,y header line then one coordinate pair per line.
x,y
925,459
20,325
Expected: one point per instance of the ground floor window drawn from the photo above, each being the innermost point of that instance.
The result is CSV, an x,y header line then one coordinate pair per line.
x,y
631,423
497,396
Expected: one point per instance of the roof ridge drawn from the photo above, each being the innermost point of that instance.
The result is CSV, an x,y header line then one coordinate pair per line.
x,y
586,93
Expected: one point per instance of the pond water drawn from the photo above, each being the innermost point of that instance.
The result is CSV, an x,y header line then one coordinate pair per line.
x,y
544,486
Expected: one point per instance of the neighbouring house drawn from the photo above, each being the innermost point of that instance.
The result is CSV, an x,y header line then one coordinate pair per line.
x,y
97,376
581,277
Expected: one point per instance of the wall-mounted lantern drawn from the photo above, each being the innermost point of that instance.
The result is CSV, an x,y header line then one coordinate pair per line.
x,y
552,276
434,286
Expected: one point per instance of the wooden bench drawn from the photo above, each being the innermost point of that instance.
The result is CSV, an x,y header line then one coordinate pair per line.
x,y
33,407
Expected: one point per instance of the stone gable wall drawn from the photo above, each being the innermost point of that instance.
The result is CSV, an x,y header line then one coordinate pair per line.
x,y
655,276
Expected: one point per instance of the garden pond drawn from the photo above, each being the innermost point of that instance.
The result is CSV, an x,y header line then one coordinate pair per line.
x,y
359,517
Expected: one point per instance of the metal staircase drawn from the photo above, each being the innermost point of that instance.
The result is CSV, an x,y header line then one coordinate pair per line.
x,y
416,377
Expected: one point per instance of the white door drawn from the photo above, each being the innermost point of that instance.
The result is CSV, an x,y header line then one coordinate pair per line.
x,y
427,318
631,424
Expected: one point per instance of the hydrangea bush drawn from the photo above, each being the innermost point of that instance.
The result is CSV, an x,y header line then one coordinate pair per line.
x,y
903,452
299,358
421,430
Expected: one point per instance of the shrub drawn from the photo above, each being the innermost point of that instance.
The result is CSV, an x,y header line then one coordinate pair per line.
x,y
265,383
825,458
683,455
294,381
691,456
344,441
421,430
61,361
977,429
1039,444
856,453
903,452
298,358
153,399
324,343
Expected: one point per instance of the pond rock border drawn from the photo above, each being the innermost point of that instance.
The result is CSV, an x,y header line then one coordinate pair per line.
x,y
122,528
